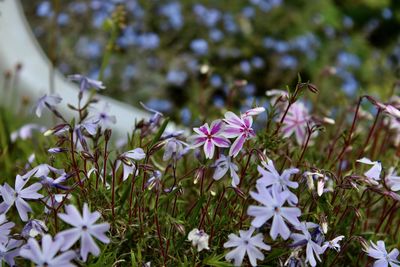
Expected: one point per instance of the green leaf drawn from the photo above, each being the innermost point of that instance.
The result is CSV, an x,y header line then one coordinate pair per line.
x,y
159,133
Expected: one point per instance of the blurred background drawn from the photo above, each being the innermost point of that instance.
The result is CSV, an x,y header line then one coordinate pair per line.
x,y
168,54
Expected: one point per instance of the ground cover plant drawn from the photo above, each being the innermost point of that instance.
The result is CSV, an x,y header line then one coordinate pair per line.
x,y
281,184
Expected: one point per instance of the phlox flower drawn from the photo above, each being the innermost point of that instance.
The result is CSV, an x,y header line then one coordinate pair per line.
x,y
84,228
295,122
210,137
50,100
26,131
272,207
271,177
9,250
324,183
313,249
199,238
18,195
33,228
239,128
126,161
392,180
375,171
103,118
333,244
382,257
5,228
222,165
45,256
86,83
246,244
253,112
174,148
42,170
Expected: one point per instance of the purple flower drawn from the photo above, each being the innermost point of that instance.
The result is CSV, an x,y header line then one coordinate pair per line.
x,y
271,177
42,170
86,83
5,228
222,165
333,244
246,243
240,128
26,131
50,100
103,118
84,229
9,250
33,228
46,255
174,148
295,122
272,207
210,137
383,258
18,195
313,249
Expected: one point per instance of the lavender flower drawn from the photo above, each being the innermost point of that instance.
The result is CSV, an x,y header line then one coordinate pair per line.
x,y
375,171
246,243
333,244
272,206
135,154
18,195
383,258
313,249
271,177
50,100
174,148
5,228
239,128
295,122
46,255
33,228
103,118
9,250
42,170
392,180
199,238
26,131
84,229
86,83
210,136
222,165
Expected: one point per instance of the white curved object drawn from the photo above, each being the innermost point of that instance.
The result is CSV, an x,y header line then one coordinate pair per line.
x,y
18,45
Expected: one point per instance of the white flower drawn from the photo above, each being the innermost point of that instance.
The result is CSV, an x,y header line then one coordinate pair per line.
x,y
383,258
375,170
333,244
321,179
50,100
392,180
246,243
222,165
199,238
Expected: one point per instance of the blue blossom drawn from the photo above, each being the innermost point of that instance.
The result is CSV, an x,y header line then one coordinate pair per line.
x,y
216,35
177,77
257,62
382,257
222,165
44,9
5,228
26,131
9,250
199,46
84,228
46,255
207,16
173,12
245,66
148,41
33,228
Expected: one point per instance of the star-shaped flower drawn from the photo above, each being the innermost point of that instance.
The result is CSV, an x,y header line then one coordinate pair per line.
x,y
210,137
199,238
295,122
272,207
246,244
375,171
382,257
222,165
84,229
45,256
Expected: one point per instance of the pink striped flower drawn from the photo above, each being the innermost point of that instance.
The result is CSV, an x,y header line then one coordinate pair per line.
x,y
239,127
210,136
296,121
